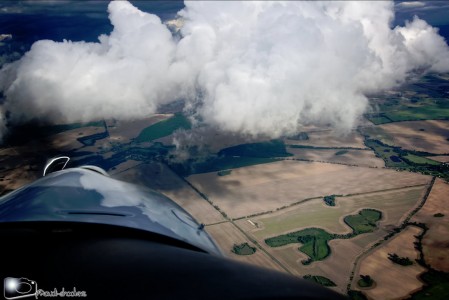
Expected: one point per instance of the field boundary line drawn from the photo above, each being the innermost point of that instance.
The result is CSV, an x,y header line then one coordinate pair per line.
x,y
320,197
386,238
330,162
307,147
216,223
258,245
227,219
127,169
387,190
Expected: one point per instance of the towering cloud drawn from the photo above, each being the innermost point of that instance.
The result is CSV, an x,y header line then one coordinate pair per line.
x,y
249,67
126,75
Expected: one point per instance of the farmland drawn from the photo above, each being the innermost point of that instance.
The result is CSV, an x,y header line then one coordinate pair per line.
x,y
437,237
227,235
248,193
440,158
263,200
333,258
235,157
425,136
392,280
284,183
163,128
70,139
396,157
218,163
394,205
423,100
273,148
436,111
122,131
329,139
361,158
315,240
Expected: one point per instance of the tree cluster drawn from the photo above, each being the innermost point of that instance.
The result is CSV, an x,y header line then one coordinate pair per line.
x,y
403,261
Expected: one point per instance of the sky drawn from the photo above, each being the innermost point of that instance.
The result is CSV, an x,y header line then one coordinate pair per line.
x,y
253,68
435,13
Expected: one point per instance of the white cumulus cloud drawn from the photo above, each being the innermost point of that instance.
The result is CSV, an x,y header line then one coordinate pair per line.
x,y
246,67
125,75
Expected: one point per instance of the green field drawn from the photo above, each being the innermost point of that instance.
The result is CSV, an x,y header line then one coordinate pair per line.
x,y
163,128
273,148
321,148
320,280
387,153
420,160
430,112
378,119
413,161
364,221
425,99
315,240
233,157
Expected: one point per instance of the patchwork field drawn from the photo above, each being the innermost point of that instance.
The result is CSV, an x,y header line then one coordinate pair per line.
x,y
314,213
392,280
338,266
428,136
395,205
256,189
425,99
364,158
435,214
267,195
